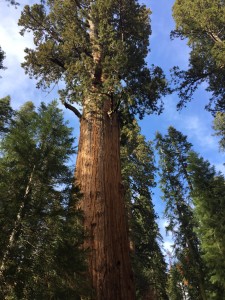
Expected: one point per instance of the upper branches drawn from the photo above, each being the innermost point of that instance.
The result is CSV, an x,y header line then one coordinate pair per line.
x,y
96,48
202,23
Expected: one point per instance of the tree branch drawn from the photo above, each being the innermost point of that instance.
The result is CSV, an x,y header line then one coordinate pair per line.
x,y
57,62
73,109
214,36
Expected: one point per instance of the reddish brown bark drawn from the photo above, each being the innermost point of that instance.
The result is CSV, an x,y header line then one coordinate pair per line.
x,y
98,175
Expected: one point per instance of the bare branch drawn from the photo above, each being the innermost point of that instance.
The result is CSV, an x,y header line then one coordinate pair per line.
x,y
73,109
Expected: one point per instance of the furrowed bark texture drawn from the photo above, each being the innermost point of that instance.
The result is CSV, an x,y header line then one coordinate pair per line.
x,y
98,175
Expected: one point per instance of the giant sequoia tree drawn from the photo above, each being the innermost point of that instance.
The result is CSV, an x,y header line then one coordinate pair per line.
x,y
202,23
98,49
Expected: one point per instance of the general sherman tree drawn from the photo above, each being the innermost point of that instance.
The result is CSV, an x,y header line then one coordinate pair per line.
x,y
98,49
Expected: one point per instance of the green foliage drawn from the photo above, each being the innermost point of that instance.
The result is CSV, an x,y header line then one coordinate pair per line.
x,y
2,56
91,46
176,186
138,176
176,287
209,199
219,127
40,229
6,113
202,23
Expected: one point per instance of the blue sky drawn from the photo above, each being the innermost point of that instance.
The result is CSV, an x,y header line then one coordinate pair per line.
x,y
193,121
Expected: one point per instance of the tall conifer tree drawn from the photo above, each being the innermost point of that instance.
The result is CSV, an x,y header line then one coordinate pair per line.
x,y
39,253
98,49
209,200
6,114
138,173
176,186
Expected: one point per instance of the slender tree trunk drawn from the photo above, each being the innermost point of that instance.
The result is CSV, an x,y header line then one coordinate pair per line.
x,y
98,175
14,233
12,237
190,242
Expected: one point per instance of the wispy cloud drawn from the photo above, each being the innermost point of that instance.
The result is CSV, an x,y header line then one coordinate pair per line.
x,y
200,131
14,81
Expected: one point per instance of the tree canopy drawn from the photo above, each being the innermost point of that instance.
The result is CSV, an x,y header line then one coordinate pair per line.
x,y
91,46
202,24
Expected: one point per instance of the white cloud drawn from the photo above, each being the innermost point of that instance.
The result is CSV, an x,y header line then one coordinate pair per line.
x,y
199,129
11,40
192,123
14,82
168,246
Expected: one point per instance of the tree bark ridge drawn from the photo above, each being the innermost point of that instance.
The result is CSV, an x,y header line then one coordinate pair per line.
x,y
98,175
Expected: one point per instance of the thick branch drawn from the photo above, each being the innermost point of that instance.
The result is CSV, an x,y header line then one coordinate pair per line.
x,y
73,109
214,37
58,62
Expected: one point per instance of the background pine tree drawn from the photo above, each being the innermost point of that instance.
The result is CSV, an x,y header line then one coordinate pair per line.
x,y
176,187
209,200
41,232
138,172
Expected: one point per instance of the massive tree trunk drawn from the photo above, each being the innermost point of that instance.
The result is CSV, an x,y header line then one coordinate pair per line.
x,y
98,175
